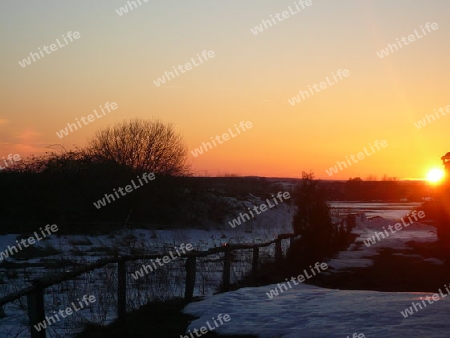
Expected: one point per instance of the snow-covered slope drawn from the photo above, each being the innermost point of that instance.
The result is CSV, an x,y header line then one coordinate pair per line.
x,y
310,311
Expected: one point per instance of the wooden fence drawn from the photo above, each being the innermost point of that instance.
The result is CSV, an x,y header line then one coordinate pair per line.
x,y
35,292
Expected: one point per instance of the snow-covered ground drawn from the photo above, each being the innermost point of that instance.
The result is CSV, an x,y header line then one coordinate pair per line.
x,y
310,311
164,283
251,304
360,255
83,249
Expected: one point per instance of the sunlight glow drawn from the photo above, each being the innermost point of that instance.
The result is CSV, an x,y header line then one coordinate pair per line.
x,y
435,175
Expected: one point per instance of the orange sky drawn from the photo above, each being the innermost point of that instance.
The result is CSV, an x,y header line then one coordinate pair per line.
x,y
251,78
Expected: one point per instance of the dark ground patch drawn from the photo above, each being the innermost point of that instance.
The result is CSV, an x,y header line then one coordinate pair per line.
x,y
156,320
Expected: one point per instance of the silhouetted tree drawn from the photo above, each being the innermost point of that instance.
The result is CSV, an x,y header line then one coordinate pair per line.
x,y
313,219
144,145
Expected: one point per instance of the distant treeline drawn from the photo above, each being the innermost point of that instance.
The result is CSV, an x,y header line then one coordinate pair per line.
x,y
134,173
62,189
65,190
386,191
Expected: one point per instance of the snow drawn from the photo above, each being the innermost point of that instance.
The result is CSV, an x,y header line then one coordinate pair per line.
x,y
311,311
434,261
163,284
6,240
304,311
373,209
358,255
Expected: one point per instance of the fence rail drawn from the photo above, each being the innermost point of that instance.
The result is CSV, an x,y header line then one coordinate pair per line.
x,y
35,292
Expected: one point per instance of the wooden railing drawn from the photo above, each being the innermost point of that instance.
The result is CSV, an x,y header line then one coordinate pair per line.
x,y
35,292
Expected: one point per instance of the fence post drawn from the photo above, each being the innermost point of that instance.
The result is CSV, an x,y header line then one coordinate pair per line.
x,y
226,269
122,288
291,256
36,309
278,251
255,262
191,269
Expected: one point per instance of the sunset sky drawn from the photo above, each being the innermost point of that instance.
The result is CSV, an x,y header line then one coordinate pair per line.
x,y
117,58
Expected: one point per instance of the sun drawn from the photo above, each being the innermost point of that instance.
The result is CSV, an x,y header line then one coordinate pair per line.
x,y
435,175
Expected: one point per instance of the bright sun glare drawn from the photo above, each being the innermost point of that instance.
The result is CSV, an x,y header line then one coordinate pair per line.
x,y
435,175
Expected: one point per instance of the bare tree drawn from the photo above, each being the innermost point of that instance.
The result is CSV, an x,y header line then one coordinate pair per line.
x,y
147,145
